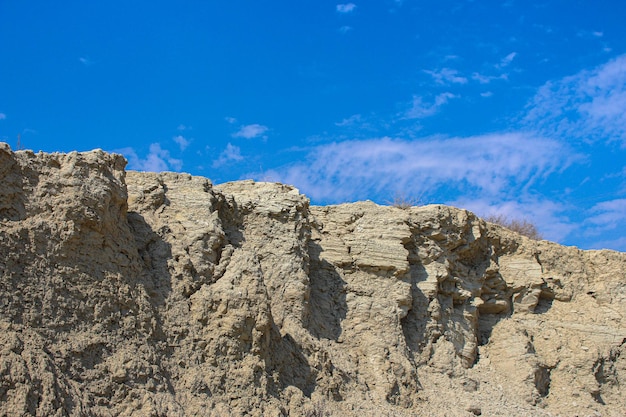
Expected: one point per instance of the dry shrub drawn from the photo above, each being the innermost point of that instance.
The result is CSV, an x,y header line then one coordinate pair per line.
x,y
523,227
403,201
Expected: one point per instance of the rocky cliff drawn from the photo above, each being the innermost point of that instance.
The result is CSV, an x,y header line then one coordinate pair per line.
x,y
140,294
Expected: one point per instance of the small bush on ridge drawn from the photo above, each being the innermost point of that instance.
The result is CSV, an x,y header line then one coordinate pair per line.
x,y
523,227
404,202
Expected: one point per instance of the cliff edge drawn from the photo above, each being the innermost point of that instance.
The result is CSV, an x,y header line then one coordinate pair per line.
x,y
143,294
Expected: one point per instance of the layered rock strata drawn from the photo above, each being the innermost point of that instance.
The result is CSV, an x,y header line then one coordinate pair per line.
x,y
136,294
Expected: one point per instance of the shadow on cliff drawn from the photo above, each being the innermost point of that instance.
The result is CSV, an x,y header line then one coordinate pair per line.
x,y
415,323
154,251
289,359
156,279
327,300
12,201
292,358
441,311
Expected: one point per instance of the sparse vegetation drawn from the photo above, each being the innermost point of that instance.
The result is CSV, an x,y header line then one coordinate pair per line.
x,y
523,227
403,201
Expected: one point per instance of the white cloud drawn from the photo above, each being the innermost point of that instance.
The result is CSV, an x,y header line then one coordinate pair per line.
x,y
182,127
251,131
182,142
421,109
447,76
606,222
486,94
230,120
497,166
86,61
346,8
486,79
3,116
587,106
506,61
608,215
350,121
345,29
230,154
157,160
586,34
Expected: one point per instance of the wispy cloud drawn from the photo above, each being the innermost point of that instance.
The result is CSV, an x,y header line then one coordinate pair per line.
x,y
447,76
182,142
182,127
345,29
346,8
251,131
421,109
350,121
491,165
608,215
499,70
3,116
587,106
157,160
230,120
86,61
230,154
606,221
593,34
486,79
506,61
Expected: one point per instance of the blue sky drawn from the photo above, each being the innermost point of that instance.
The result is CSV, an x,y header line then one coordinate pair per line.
x,y
501,107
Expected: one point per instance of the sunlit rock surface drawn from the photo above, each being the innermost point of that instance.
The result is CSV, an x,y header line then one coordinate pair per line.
x,y
142,294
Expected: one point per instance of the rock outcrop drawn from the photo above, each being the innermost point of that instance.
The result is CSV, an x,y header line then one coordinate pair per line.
x,y
142,294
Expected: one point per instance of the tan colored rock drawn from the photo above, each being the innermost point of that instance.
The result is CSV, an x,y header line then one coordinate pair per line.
x,y
132,294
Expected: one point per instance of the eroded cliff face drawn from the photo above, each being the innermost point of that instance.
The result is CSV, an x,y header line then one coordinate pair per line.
x,y
136,294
